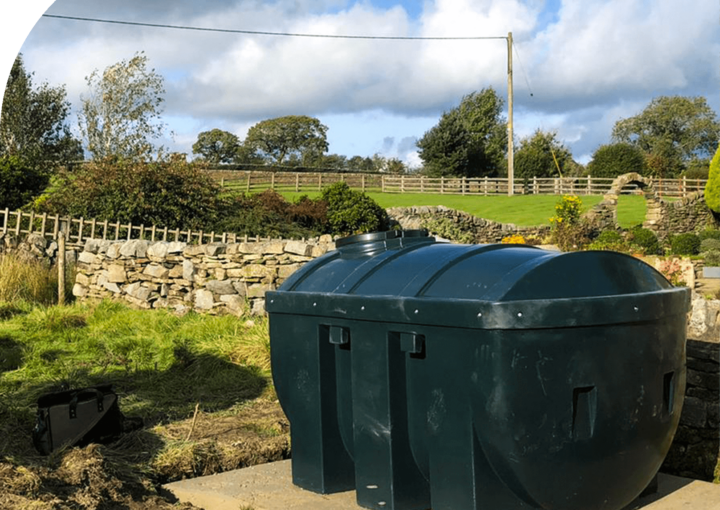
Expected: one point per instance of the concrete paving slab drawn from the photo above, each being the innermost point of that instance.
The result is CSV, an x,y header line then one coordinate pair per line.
x,y
269,487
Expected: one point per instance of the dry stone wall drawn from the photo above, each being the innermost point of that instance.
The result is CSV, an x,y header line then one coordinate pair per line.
x,y
695,452
32,247
689,214
470,228
211,278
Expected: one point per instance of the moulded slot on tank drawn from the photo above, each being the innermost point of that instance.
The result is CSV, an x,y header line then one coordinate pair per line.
x,y
668,392
584,412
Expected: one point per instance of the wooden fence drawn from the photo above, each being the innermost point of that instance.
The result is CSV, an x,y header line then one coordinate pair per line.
x,y
256,181
78,230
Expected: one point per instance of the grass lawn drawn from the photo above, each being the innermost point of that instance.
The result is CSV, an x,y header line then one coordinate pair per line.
x,y
522,210
170,371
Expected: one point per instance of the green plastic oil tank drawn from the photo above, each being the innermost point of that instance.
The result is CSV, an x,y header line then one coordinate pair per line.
x,y
426,374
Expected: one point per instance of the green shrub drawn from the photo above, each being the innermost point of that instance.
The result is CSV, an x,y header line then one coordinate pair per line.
x,y
609,236
712,188
712,258
645,239
268,214
685,244
709,245
697,169
709,233
20,182
609,240
352,212
448,229
173,193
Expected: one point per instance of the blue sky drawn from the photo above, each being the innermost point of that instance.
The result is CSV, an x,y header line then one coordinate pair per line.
x,y
588,63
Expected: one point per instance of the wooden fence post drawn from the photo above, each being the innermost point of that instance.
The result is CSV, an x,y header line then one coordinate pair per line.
x,y
61,268
17,225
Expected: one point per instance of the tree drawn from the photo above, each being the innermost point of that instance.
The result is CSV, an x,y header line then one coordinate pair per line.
x,y
615,159
541,155
217,146
362,164
469,140
671,131
121,114
395,166
32,123
19,181
294,135
712,188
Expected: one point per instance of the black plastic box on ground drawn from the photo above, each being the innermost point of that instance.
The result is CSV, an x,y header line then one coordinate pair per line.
x,y
426,374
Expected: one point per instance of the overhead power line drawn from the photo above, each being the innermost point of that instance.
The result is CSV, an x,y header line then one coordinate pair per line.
x,y
281,34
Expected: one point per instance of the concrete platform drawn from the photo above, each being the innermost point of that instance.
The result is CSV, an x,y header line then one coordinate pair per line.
x,y
269,487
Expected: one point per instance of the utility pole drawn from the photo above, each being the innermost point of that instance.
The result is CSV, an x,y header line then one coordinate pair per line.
x,y
511,163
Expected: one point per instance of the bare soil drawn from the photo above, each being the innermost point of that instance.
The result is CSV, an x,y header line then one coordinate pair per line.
x,y
128,474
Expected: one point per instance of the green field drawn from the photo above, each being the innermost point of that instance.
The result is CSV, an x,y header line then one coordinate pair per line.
x,y
522,210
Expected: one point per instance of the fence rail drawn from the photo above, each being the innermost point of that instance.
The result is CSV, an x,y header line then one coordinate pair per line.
x,y
78,230
251,181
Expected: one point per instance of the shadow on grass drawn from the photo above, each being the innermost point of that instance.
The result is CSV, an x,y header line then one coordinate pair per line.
x,y
11,354
156,396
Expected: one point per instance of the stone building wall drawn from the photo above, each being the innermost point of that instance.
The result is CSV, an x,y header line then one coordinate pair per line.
x,y
211,278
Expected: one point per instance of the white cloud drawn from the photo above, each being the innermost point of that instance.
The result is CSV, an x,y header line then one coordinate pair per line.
x,y
597,60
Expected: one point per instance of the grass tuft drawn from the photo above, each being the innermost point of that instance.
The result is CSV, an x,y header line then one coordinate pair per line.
x,y
27,280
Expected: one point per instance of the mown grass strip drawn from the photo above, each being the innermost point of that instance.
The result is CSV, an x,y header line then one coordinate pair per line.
x,y
522,210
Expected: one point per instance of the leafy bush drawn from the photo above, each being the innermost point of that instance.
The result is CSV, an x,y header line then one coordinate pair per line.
x,y
645,239
568,231
448,229
609,236
709,233
712,258
697,169
173,193
268,214
610,240
712,188
685,244
20,182
709,245
352,212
